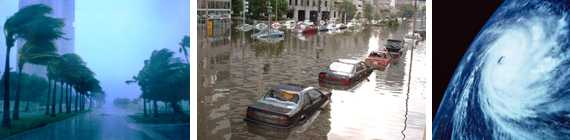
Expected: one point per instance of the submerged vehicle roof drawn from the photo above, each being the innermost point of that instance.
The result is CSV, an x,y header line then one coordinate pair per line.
x,y
394,44
348,61
290,87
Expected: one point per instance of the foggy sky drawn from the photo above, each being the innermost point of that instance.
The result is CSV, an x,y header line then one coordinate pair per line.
x,y
114,37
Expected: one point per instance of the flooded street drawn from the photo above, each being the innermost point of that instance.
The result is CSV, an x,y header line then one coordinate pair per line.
x,y
234,71
105,123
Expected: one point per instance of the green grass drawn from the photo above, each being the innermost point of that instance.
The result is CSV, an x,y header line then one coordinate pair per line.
x,y
31,121
167,118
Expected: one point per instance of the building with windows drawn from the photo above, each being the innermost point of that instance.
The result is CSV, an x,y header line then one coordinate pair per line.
x,y
301,10
64,9
215,8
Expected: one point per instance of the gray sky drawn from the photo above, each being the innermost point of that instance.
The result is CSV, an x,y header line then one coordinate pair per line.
x,y
114,37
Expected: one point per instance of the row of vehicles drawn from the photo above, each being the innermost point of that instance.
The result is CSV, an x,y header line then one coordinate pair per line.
x,y
276,30
286,105
381,58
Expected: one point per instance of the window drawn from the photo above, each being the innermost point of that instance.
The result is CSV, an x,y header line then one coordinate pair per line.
x,y
295,2
283,96
341,67
326,2
307,100
314,95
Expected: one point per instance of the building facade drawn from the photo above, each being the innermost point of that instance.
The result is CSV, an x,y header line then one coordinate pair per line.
x,y
64,9
301,10
214,7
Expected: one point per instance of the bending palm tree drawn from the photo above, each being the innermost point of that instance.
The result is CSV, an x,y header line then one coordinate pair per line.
x,y
38,30
184,46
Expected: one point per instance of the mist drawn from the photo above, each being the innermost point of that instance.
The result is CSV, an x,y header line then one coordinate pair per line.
x,y
115,37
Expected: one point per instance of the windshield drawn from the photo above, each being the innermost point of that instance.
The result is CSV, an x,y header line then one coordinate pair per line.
x,y
341,67
287,96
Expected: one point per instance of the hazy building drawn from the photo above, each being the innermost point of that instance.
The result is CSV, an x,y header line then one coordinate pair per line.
x,y
309,9
64,9
214,7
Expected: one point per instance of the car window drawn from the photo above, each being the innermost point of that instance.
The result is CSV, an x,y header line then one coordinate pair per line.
x,y
306,100
314,95
361,67
341,67
283,95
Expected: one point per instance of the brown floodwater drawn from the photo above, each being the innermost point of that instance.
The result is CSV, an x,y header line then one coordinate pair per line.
x,y
234,71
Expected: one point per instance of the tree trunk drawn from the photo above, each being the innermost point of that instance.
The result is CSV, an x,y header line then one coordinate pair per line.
x,y
90,103
175,107
82,102
6,107
27,106
53,98
62,92
16,114
68,99
155,108
76,101
48,96
66,93
144,106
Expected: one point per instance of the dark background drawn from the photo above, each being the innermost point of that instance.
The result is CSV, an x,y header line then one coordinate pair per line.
x,y
454,25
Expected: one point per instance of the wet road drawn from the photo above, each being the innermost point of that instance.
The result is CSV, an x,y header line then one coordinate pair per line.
x,y
104,124
234,71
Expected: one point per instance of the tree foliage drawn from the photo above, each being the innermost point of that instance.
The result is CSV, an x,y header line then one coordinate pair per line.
x,y
259,10
237,7
406,11
164,78
36,87
38,30
348,8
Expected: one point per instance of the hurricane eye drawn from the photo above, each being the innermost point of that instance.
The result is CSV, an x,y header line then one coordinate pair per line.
x,y
500,61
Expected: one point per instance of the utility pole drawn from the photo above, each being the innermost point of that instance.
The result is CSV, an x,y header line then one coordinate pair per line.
x,y
410,70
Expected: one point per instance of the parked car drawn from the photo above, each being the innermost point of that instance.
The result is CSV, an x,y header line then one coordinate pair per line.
x,y
286,105
379,60
395,47
344,73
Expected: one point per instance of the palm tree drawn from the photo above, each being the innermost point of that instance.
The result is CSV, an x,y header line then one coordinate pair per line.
x,y
71,64
184,46
157,80
34,26
53,74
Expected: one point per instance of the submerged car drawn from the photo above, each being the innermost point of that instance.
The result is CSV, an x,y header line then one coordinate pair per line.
x,y
379,60
286,105
395,47
344,73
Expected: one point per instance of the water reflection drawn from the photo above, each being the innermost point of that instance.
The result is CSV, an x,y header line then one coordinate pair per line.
x,y
235,72
102,124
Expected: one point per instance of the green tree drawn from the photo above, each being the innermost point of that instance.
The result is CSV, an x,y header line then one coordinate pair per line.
x,y
163,78
279,8
33,25
35,87
368,11
259,10
406,11
72,65
184,46
237,7
347,8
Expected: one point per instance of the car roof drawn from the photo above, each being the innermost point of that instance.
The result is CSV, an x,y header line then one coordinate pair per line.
x,y
349,61
290,87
